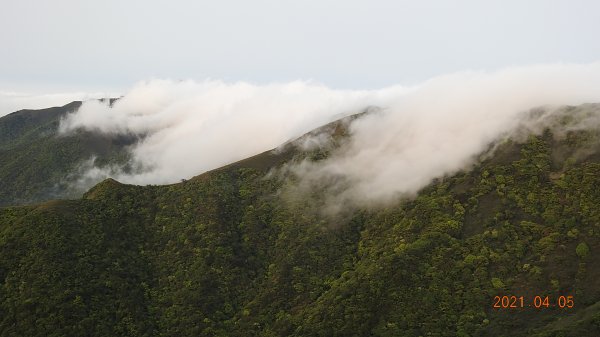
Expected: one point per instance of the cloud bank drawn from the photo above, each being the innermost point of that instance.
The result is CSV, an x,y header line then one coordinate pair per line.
x,y
441,126
422,132
191,127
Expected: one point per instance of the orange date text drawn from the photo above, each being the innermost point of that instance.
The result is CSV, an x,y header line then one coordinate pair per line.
x,y
537,302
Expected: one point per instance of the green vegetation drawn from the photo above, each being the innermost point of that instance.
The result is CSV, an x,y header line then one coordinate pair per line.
x,y
37,164
222,255
582,250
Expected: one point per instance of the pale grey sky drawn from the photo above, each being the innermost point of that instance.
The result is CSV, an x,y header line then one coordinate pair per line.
x,y
54,45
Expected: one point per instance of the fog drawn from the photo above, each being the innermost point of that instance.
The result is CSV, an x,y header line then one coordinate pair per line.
x,y
440,127
190,127
420,132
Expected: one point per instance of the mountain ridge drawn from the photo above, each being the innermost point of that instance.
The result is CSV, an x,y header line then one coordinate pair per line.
x,y
38,164
224,254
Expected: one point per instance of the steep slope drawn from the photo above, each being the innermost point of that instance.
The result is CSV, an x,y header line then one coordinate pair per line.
x,y
226,254
38,164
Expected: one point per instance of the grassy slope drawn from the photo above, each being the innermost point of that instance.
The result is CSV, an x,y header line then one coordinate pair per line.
x,y
221,254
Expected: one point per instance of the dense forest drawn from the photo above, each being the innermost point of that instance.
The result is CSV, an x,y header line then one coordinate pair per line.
x,y
227,254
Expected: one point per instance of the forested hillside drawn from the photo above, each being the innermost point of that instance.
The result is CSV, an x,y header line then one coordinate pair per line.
x,y
228,253
38,164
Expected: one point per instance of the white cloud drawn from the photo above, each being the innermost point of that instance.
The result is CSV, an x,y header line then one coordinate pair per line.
x,y
421,133
192,127
439,127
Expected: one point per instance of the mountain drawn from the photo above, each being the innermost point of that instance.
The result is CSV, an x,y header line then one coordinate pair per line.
x,y
38,164
230,253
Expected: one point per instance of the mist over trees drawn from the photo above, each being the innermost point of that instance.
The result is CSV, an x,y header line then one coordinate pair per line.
x,y
229,253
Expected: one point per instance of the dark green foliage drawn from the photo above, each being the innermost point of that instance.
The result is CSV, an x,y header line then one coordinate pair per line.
x,y
223,255
582,250
38,164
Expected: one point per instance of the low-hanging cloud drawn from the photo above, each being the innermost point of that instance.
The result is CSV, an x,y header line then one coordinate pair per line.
x,y
190,127
419,133
440,127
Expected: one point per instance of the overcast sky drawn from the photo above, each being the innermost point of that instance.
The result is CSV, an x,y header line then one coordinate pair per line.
x,y
50,46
